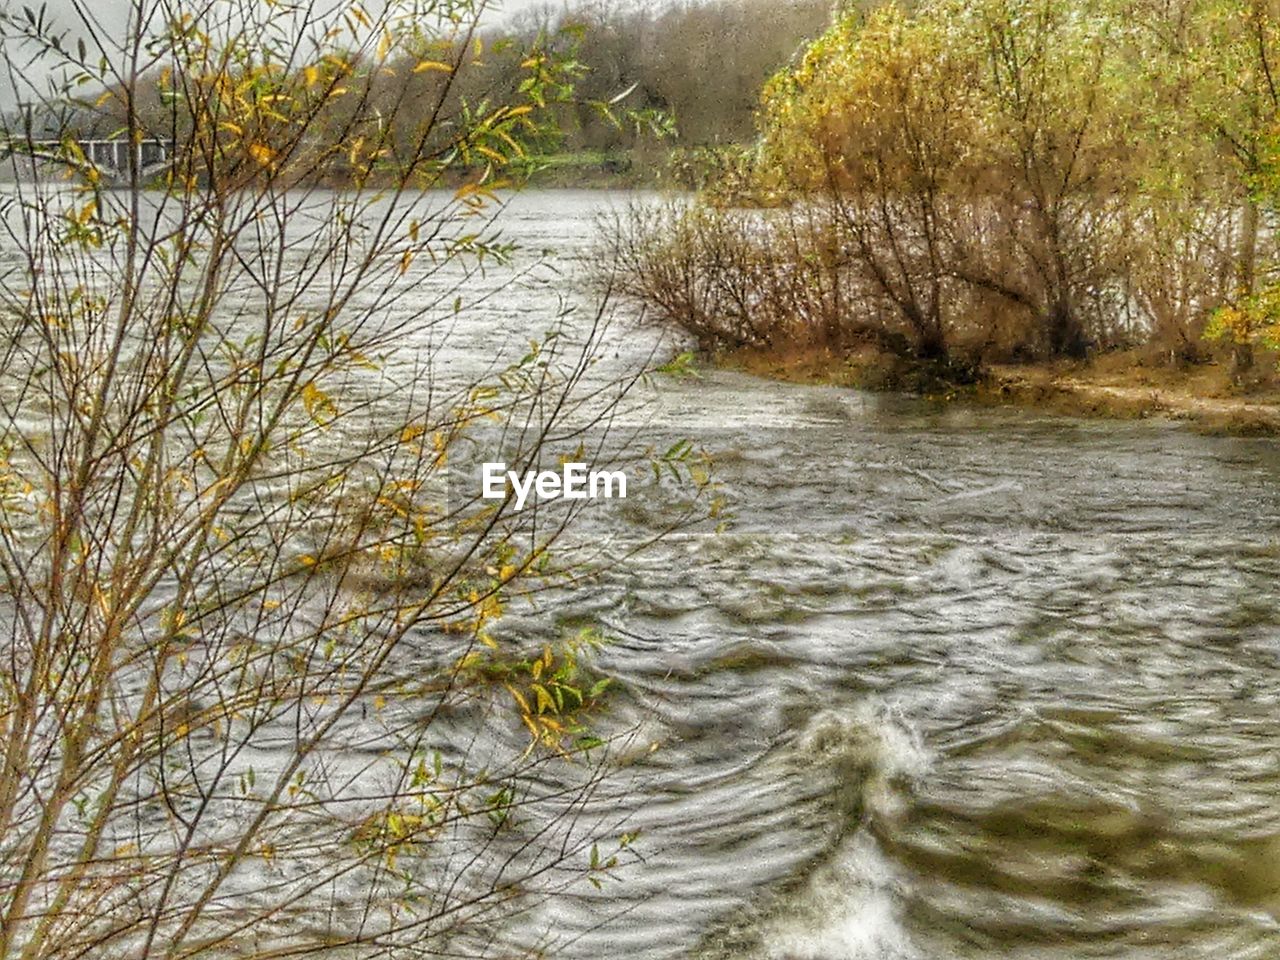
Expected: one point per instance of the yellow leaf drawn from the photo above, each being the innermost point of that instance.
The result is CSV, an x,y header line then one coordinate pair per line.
x,y
263,154
519,697
544,699
318,404
425,65
515,146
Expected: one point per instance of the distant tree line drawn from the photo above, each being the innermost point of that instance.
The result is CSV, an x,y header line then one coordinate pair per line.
x,y
702,62
691,68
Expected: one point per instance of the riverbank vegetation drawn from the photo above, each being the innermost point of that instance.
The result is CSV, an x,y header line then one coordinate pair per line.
x,y
969,184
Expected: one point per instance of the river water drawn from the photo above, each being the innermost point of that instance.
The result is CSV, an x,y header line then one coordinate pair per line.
x,y
956,682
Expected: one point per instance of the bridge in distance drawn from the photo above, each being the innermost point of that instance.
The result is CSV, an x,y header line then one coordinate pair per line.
x,y
111,156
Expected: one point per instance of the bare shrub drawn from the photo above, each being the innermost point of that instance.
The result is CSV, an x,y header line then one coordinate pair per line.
x,y
997,180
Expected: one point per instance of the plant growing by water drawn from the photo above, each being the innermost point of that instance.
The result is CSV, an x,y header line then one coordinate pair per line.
x,y
1000,180
255,693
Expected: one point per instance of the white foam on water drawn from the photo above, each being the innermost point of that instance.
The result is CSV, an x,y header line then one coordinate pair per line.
x,y
849,907
881,743
849,911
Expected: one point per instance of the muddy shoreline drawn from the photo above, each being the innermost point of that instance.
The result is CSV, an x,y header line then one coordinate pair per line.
x,y
1113,386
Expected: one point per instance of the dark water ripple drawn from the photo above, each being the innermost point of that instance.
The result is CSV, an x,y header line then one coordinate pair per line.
x,y
957,683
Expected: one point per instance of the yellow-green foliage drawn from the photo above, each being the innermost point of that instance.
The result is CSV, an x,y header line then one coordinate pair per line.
x,y
867,91
952,93
1045,150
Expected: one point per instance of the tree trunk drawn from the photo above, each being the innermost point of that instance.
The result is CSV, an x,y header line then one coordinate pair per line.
x,y
1246,271
932,344
1066,338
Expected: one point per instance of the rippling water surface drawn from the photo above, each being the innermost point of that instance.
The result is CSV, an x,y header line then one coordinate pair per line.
x,y
956,683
